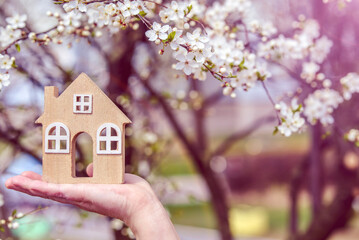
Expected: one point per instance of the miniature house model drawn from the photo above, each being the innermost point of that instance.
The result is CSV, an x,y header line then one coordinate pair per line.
x,y
82,107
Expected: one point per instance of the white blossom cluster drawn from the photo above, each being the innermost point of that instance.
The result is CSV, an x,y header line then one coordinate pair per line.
x,y
353,136
290,116
11,222
223,40
12,32
350,84
320,105
9,34
306,44
87,20
6,63
215,46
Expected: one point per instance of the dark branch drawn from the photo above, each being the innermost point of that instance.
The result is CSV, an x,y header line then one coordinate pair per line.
x,y
15,142
232,139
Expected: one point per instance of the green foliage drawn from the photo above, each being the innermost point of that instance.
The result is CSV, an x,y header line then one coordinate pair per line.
x,y
189,9
60,1
199,215
275,131
170,37
299,108
14,212
261,77
241,65
17,47
142,13
209,65
14,65
175,165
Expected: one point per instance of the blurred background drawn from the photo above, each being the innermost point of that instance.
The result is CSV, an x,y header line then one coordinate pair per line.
x,y
212,160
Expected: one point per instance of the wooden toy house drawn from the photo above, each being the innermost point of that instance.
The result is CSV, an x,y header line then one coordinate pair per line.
x,y
82,107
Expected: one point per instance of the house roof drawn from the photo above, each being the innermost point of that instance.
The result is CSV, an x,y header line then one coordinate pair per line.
x,y
84,82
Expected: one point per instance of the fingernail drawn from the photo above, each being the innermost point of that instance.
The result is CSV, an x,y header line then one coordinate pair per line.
x,y
8,183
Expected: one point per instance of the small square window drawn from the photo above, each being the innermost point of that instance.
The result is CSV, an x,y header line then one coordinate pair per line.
x,y
82,103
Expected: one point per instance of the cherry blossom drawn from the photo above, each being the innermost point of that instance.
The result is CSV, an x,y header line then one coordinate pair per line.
x,y
77,5
157,32
178,10
6,62
129,8
186,63
4,80
353,135
8,35
195,39
320,105
291,120
225,41
309,71
17,21
350,84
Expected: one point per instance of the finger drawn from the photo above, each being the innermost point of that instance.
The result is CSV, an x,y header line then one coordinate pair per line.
x,y
89,170
31,175
65,193
136,180
20,183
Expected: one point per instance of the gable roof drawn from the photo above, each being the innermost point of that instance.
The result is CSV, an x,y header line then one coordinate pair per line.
x,y
79,83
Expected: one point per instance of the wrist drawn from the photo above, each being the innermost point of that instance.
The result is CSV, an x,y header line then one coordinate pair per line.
x,y
148,219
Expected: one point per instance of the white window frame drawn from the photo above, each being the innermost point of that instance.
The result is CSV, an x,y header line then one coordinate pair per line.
x,y
57,137
108,139
82,103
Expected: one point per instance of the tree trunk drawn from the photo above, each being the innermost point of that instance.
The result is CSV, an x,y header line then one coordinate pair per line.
x,y
216,189
218,197
295,187
335,215
213,180
316,171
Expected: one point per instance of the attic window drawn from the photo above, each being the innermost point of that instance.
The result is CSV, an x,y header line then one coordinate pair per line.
x,y
82,103
109,139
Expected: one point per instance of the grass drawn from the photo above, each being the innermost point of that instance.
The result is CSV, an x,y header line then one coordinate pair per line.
x,y
247,220
175,165
198,215
178,163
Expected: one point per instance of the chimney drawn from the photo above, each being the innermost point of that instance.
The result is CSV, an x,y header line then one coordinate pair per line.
x,y
51,92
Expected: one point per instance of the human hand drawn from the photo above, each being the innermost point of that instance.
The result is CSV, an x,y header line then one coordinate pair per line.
x,y
134,202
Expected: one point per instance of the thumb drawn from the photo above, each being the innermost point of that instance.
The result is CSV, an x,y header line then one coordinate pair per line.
x,y
89,170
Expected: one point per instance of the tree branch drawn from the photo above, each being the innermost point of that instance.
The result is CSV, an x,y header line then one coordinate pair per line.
x,y
232,139
15,142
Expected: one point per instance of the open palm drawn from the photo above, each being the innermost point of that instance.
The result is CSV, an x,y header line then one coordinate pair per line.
x,y
134,202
